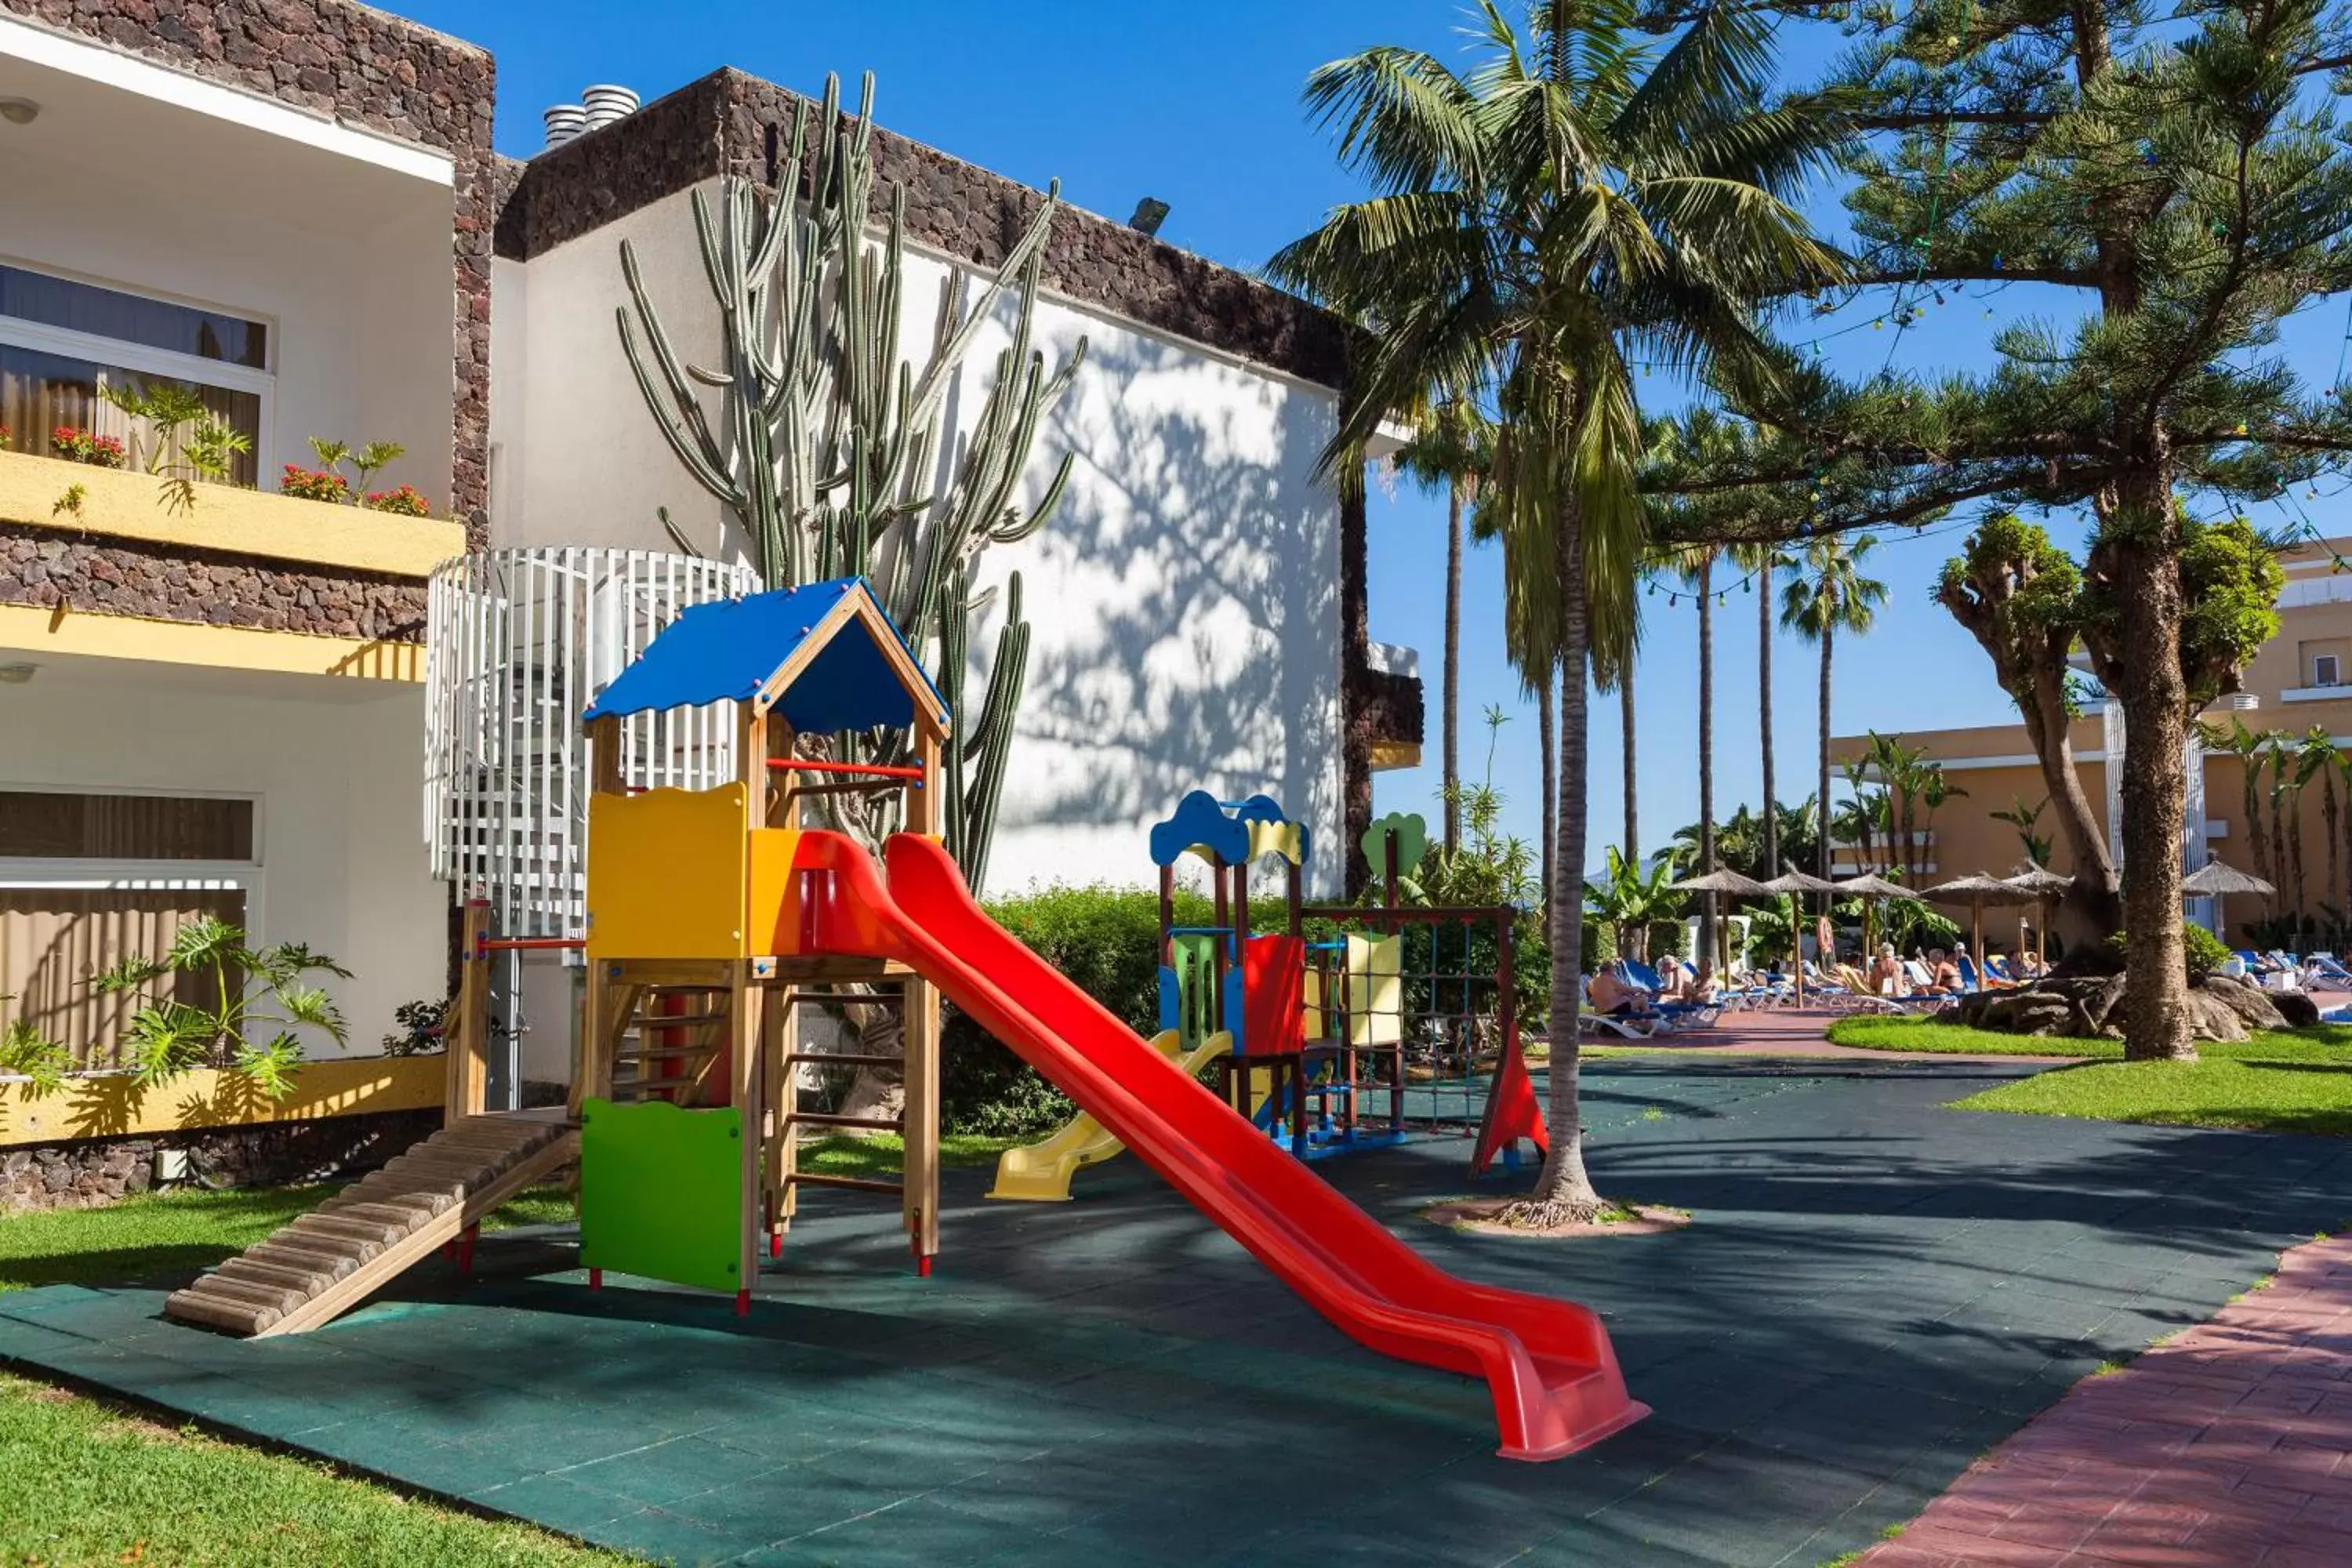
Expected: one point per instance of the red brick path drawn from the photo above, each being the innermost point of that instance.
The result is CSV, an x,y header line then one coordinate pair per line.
x,y
2224,1447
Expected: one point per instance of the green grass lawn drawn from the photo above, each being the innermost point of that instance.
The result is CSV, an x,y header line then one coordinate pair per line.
x,y
87,1483
2281,1081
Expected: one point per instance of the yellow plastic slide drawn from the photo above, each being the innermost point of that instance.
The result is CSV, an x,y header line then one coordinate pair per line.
x,y
1040,1172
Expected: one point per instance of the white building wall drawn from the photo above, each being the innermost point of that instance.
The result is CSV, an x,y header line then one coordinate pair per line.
x,y
333,783
359,315
1184,600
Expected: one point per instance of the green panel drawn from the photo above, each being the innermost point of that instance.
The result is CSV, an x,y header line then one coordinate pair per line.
x,y
1198,1015
661,1192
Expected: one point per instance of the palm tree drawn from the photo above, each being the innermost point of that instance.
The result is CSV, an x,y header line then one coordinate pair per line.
x,y
1454,446
1590,196
1827,596
2250,747
2286,825
1694,564
1764,564
2025,819
2320,758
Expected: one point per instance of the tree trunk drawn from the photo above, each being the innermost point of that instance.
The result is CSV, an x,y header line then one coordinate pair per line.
x,y
2250,778
2092,910
1706,748
2294,859
2146,577
1564,1193
2347,904
1548,743
1764,721
1632,773
1829,641
2327,827
2278,879
1452,762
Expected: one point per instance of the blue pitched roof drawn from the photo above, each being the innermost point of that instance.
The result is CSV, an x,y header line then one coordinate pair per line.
x,y
728,650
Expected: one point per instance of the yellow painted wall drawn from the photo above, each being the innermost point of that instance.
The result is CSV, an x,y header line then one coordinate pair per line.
x,y
27,628
246,522
108,1105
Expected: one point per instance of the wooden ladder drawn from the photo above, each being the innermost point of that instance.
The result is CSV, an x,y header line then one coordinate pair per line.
x,y
320,1265
672,1055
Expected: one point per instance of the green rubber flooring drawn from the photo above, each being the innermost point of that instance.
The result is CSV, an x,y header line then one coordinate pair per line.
x,y
1875,1290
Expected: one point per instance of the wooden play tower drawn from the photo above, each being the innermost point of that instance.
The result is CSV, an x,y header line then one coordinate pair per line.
x,y
699,969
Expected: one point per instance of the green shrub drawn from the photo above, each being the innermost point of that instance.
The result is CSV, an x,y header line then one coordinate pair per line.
x,y
1107,941
2205,952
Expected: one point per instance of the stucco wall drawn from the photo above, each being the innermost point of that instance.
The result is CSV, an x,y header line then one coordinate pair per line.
x,y
334,786
1185,599
356,315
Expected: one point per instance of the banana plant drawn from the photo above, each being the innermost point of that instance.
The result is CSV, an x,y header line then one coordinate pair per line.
x,y
839,455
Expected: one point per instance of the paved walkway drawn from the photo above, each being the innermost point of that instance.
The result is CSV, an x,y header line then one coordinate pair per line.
x,y
2224,1447
1788,1032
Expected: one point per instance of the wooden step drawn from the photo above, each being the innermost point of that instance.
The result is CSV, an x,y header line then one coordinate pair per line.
x,y
290,1252
211,1312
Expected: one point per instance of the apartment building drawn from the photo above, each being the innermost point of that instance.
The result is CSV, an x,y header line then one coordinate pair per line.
x,y
296,210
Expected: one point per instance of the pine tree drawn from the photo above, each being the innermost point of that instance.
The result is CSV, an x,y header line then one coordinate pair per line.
x,y
2178,174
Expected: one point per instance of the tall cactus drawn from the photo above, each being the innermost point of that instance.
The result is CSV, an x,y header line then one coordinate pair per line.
x,y
827,446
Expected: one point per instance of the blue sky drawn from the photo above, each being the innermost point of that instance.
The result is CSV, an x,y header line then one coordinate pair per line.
x,y
1198,104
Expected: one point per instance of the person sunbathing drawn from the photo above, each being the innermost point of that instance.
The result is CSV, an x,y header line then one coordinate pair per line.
x,y
1613,995
1887,976
1702,990
1673,979
1943,974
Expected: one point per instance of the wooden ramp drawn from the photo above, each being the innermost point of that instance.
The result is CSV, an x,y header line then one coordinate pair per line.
x,y
323,1265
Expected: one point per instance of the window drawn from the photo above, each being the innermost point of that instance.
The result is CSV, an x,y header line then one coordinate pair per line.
x,y
62,342
41,824
2323,670
89,879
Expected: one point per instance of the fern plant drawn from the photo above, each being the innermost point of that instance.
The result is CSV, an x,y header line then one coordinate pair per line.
x,y
255,991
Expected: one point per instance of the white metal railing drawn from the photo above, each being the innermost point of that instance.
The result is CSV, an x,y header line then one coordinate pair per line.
x,y
519,643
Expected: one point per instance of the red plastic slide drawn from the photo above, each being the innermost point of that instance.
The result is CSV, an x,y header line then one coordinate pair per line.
x,y
1554,1376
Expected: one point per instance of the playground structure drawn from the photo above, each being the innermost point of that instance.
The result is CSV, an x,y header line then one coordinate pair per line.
x,y
714,915
1331,1041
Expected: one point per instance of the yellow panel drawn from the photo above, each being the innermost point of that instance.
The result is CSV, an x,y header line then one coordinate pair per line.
x,y
1376,990
774,923
112,1105
1387,754
1281,838
666,874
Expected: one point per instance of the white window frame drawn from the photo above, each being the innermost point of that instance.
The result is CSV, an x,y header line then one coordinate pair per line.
x,y
120,355
2335,676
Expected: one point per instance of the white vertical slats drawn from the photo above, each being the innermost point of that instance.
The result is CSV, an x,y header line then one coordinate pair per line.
x,y
519,643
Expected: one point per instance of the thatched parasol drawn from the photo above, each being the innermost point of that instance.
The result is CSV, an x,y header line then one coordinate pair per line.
x,y
1871,886
1726,881
1731,883
2217,881
1978,892
1790,883
2040,884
